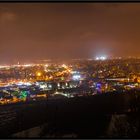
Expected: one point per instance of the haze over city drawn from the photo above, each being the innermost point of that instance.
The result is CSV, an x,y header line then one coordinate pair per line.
x,y
69,70
36,31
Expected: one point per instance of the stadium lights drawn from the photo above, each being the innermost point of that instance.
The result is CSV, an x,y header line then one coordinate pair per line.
x,y
101,58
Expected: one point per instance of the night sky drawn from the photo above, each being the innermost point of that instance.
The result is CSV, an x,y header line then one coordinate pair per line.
x,y
32,31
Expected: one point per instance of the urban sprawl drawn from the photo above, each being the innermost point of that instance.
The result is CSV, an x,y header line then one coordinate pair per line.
x,y
25,82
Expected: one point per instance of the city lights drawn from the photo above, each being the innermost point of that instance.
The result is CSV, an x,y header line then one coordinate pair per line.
x,y
46,65
69,70
76,77
101,58
1,67
39,74
97,58
43,86
41,78
27,65
64,66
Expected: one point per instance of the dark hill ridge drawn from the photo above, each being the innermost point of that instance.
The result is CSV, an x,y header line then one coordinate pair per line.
x,y
87,116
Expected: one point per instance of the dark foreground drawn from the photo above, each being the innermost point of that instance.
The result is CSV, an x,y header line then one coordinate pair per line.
x,y
99,116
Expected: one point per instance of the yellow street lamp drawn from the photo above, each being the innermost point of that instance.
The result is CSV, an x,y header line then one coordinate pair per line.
x,y
39,74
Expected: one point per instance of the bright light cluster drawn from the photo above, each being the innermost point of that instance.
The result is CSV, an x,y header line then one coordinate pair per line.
x,y
4,67
101,58
24,83
27,65
64,66
76,77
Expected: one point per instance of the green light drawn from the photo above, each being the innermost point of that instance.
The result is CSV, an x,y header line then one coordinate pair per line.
x,y
23,94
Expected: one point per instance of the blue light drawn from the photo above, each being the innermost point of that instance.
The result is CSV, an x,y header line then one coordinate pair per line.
x,y
76,77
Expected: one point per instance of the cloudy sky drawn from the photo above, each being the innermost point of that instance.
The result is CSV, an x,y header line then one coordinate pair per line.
x,y
31,31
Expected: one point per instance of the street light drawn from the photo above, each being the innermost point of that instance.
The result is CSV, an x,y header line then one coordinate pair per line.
x,y
39,74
